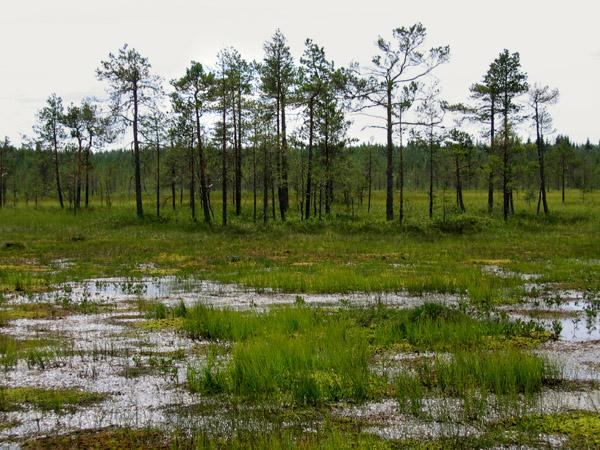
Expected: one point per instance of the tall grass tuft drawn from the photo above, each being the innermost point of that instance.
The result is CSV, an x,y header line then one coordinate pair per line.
x,y
509,375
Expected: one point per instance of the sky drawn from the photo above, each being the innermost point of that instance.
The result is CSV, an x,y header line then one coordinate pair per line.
x,y
56,46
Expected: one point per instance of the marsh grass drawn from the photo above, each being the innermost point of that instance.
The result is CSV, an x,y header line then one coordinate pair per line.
x,y
434,327
311,356
13,349
337,254
105,439
512,377
332,438
299,355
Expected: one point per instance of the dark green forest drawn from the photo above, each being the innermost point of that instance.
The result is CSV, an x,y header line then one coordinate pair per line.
x,y
29,177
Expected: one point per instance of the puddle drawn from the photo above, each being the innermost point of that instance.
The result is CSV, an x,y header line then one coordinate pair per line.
x,y
97,332
577,314
171,290
143,371
385,420
501,272
62,263
579,360
440,415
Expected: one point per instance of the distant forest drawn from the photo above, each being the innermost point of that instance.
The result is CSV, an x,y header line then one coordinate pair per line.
x,y
272,135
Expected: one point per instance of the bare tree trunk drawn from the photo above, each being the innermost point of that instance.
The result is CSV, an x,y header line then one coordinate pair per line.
x,y
491,154
56,172
273,196
459,194
157,176
235,152
203,186
505,175
78,174
328,180
192,179
400,172
389,202
370,174
540,150
254,183
278,160
238,155
310,158
265,183
136,156
173,189
285,196
224,161
431,172
87,173
562,162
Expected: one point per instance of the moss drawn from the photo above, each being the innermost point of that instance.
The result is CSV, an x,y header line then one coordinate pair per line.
x,y
13,246
34,311
11,349
51,311
109,439
533,340
582,428
7,424
173,323
12,399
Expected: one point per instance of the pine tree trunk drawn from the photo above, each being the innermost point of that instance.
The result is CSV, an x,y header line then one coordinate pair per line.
x,y
310,159
389,202
224,164
136,156
491,154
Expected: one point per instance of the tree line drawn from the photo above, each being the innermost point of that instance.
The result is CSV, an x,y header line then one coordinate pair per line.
x,y
278,129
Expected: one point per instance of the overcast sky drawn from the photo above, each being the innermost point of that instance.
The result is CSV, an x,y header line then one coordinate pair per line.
x,y
55,46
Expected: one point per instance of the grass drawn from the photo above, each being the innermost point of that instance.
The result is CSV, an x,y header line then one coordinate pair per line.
x,y
311,356
581,430
296,355
12,349
300,358
338,254
511,376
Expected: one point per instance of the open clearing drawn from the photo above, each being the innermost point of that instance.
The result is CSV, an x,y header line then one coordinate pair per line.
x,y
314,336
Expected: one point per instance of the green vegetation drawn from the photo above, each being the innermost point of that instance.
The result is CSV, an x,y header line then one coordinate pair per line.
x,y
120,438
472,377
312,356
302,360
249,175
32,350
340,254
57,400
295,354
108,439
582,429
